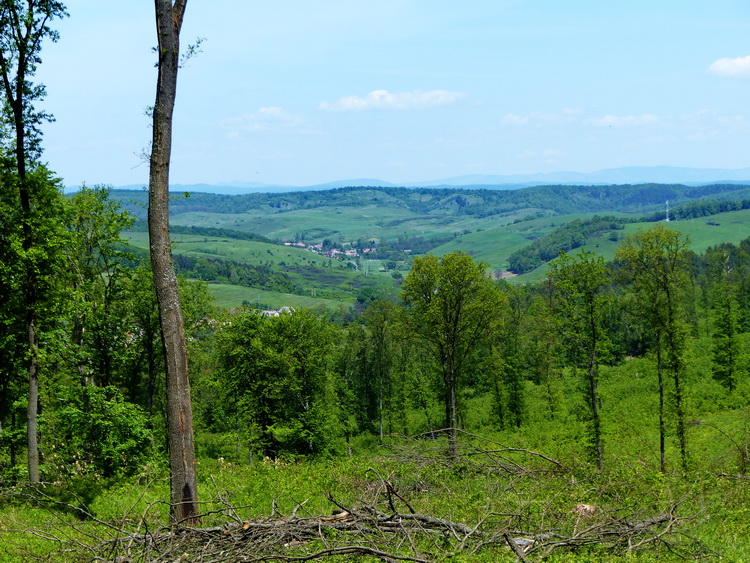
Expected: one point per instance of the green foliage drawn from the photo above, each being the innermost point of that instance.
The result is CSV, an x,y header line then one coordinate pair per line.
x,y
580,283
725,350
94,432
277,374
235,272
703,208
567,237
507,364
95,269
451,305
655,263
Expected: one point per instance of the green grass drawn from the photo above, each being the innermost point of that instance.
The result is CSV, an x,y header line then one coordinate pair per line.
x,y
733,226
491,240
325,281
712,497
229,296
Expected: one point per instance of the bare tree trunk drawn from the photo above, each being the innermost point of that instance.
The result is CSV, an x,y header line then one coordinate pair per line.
x,y
183,477
30,289
32,408
452,418
662,429
595,413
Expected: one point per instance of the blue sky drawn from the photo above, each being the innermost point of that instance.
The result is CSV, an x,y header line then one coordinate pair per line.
x,y
299,92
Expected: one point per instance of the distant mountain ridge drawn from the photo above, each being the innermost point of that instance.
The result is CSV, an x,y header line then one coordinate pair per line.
x,y
626,175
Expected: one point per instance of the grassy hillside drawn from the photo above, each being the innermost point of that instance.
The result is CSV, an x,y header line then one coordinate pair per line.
x,y
380,213
490,225
320,281
494,246
229,296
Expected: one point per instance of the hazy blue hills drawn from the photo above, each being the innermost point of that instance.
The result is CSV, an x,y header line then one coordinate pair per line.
x,y
626,175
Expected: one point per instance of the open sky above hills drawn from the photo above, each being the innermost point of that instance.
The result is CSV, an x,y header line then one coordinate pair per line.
x,y
303,93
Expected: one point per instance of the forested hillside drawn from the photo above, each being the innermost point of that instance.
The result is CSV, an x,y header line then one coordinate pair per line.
x,y
481,202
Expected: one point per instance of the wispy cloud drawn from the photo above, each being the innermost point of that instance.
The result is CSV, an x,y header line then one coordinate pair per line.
x,y
514,119
541,119
737,67
624,120
383,99
271,118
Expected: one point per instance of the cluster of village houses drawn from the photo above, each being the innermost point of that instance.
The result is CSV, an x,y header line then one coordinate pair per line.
x,y
333,252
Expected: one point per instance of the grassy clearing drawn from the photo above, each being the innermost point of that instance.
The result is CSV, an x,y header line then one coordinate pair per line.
x,y
472,491
229,296
488,487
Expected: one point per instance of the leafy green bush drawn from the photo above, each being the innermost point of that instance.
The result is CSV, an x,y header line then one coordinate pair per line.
x,y
278,378
93,431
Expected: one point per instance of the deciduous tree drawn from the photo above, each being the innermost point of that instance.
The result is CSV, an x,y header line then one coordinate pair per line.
x,y
278,373
655,263
452,305
180,438
580,282
24,26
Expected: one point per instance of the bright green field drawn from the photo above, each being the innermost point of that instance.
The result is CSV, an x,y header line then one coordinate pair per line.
x,y
345,223
229,296
496,243
491,240
326,282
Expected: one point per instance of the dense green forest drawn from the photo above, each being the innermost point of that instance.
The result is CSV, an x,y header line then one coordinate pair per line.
x,y
479,201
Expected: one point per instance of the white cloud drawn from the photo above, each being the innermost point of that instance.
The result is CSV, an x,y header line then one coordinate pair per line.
x,y
513,119
271,118
739,66
382,99
624,120
540,119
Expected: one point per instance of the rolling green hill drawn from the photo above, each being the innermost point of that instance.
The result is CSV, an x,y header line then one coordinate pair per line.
x,y
225,233
325,280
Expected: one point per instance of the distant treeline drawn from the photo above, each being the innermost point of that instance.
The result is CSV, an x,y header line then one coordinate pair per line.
x,y
695,209
233,272
479,201
569,236
142,227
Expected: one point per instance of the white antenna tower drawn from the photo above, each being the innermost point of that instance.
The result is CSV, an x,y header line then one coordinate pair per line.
x,y
667,219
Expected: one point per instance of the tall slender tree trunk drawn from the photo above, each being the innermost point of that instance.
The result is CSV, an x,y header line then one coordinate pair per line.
x,y
30,289
662,430
183,477
595,413
451,408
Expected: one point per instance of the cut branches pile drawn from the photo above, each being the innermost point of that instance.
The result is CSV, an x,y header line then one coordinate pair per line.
x,y
388,529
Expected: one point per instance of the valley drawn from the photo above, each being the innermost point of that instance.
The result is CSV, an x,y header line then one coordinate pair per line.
x,y
399,223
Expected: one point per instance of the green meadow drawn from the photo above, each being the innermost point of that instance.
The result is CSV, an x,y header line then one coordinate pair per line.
x,y
327,281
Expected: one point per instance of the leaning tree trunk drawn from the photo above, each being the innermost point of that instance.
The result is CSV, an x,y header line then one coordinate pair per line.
x,y
184,494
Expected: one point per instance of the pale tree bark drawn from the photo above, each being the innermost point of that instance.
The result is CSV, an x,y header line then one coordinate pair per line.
x,y
183,478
